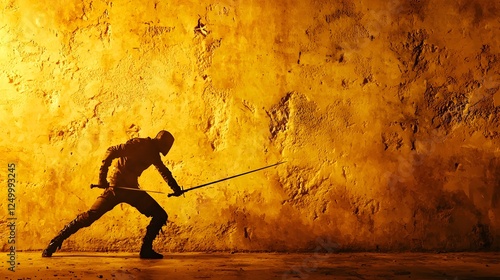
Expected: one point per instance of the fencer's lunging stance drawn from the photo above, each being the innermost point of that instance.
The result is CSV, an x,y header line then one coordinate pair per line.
x,y
133,157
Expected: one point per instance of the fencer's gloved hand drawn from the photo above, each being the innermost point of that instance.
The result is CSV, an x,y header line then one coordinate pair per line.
x,y
177,190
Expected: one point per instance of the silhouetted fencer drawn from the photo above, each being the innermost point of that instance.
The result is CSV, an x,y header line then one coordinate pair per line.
x,y
135,156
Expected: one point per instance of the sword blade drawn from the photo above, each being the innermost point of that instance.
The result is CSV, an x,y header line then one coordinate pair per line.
x,y
139,190
196,187
234,176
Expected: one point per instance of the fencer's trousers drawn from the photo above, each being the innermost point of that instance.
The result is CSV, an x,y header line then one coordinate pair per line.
x,y
142,201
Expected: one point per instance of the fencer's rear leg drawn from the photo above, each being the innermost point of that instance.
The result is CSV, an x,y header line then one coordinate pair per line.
x,y
159,219
84,219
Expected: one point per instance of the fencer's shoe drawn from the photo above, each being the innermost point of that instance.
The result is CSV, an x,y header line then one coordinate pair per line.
x,y
55,244
148,253
66,232
152,230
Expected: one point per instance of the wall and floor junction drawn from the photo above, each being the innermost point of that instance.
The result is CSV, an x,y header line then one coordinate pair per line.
x,y
386,113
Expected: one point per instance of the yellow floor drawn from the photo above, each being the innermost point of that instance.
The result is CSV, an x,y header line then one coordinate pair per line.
x,y
87,265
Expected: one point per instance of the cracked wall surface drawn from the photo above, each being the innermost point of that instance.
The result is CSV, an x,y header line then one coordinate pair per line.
x,y
386,112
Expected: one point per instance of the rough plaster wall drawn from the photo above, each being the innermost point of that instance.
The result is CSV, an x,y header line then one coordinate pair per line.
x,y
385,111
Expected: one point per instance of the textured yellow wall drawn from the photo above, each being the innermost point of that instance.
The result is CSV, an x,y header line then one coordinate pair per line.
x,y
385,111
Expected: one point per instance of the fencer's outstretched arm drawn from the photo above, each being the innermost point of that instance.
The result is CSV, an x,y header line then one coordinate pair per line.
x,y
167,176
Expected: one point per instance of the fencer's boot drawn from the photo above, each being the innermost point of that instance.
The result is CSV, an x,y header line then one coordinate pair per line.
x,y
147,251
66,232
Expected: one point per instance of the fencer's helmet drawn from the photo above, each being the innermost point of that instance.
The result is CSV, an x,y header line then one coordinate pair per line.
x,y
165,141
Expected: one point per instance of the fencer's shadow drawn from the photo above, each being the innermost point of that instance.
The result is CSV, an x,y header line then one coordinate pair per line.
x,y
91,255
175,256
